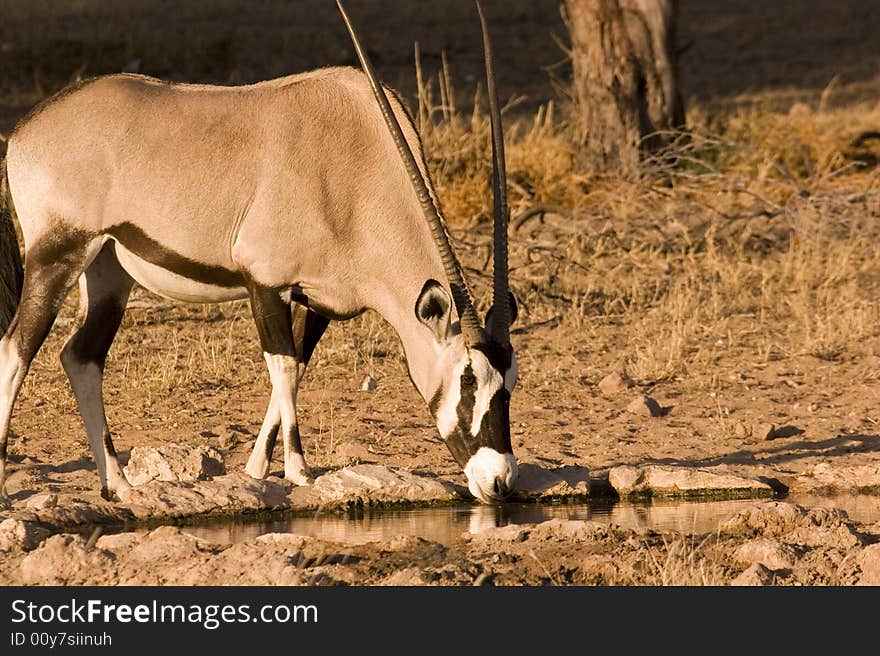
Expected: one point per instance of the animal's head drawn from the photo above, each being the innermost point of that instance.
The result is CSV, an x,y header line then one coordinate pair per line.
x,y
471,402
475,365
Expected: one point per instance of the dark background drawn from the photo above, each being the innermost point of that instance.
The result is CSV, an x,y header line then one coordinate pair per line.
x,y
779,49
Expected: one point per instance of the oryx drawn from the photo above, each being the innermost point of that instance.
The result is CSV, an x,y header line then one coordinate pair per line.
x,y
309,195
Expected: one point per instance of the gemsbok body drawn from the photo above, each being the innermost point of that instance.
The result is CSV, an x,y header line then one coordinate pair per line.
x,y
309,195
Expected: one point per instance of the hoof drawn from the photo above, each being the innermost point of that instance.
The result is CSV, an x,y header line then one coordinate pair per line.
x,y
5,501
120,495
256,472
300,479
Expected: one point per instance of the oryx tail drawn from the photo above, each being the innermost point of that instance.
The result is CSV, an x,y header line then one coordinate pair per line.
x,y
11,271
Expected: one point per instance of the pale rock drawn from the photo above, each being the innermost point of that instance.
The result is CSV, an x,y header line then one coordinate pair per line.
x,y
20,534
173,462
755,575
377,483
793,524
614,383
645,406
65,560
662,480
42,501
868,561
839,477
535,481
770,553
223,494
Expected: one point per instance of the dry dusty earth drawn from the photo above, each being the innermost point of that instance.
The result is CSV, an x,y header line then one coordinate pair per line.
x,y
740,411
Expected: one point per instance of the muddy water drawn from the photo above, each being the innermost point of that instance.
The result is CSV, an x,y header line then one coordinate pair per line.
x,y
445,524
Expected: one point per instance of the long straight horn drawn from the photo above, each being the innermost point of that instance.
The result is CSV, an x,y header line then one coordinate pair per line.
x,y
501,283
470,322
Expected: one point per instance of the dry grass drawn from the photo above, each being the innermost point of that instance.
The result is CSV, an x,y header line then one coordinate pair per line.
x,y
756,228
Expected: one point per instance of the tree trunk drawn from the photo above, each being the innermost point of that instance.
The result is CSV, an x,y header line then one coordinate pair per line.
x,y
625,83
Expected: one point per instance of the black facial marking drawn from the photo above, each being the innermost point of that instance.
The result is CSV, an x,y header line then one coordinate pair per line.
x,y
434,403
500,357
461,443
494,429
148,249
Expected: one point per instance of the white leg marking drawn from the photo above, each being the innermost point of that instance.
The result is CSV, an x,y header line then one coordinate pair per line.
x,y
12,372
284,374
260,458
86,380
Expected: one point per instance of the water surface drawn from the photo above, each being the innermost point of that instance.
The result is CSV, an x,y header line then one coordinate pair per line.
x,y
446,524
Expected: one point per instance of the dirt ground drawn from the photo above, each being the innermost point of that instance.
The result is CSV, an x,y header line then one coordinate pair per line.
x,y
193,374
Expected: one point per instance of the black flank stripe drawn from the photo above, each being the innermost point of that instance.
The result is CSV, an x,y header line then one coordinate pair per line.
x,y
147,248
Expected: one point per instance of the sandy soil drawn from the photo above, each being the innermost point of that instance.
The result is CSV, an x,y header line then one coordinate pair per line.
x,y
194,375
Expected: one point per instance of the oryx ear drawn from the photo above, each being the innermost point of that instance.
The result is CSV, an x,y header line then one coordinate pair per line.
x,y
514,311
433,308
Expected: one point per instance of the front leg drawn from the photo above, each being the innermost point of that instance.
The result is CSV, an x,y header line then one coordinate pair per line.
x,y
275,328
261,455
308,327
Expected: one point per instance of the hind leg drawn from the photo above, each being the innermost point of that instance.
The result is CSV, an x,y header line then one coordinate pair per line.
x,y
104,288
307,329
51,268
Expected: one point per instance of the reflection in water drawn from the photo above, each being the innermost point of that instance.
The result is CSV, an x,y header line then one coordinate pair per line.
x,y
445,524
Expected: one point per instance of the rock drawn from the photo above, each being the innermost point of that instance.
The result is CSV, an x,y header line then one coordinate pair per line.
x,y
770,553
868,561
667,481
535,481
42,501
159,544
645,406
614,383
173,463
223,494
74,512
827,477
764,431
65,560
369,384
755,575
816,527
118,541
20,534
376,483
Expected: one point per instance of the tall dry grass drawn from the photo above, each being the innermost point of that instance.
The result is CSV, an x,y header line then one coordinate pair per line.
x,y
755,227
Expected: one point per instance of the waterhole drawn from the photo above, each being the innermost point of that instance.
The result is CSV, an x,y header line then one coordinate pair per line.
x,y
448,523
